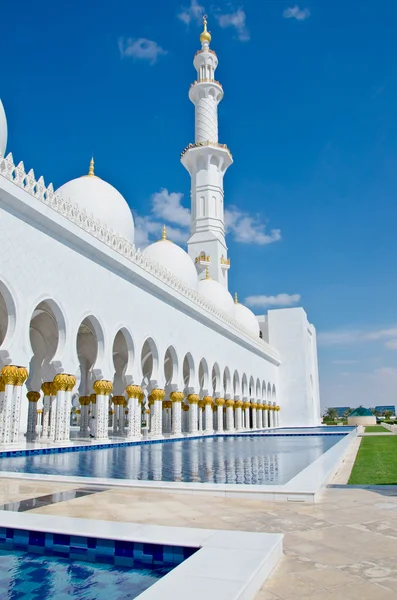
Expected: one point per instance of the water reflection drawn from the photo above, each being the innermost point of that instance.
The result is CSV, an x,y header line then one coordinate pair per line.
x,y
241,460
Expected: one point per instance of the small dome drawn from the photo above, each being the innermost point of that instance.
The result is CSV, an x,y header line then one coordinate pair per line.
x,y
218,295
102,200
246,318
3,130
173,258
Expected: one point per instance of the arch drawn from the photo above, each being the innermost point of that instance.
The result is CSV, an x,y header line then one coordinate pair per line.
x,y
244,386
123,359
227,382
203,374
251,389
47,333
90,349
269,391
258,395
149,360
236,384
214,161
171,366
188,370
274,395
216,381
7,315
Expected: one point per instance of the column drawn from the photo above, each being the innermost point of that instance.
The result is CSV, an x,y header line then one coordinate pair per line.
x,y
254,416
259,415
84,407
133,393
185,426
239,415
2,390
200,406
209,422
33,398
16,403
157,424
193,400
102,389
9,376
138,415
277,416
60,384
46,388
271,413
93,405
220,403
176,399
229,415
246,408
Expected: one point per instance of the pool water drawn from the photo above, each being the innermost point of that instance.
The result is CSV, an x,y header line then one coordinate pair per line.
x,y
25,576
246,459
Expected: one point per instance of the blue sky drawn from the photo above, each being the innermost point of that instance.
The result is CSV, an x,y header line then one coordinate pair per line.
x,y
309,113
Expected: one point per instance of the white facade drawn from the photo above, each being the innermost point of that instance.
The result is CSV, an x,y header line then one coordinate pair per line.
x,y
144,334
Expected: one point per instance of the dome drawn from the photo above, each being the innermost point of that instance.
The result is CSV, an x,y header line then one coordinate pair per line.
x,y
101,200
3,130
173,258
246,318
215,293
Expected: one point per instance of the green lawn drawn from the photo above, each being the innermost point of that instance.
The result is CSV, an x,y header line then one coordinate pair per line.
x,y
376,461
376,429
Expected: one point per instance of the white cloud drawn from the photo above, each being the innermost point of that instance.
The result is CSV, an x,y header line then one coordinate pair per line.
x,y
194,12
279,300
296,13
236,20
140,49
247,229
354,336
167,206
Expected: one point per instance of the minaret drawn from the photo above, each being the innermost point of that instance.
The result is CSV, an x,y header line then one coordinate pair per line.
x,y
207,161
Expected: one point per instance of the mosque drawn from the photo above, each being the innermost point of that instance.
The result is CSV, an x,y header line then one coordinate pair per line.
x,y
149,342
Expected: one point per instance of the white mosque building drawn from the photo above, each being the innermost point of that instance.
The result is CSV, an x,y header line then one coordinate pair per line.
x,y
146,341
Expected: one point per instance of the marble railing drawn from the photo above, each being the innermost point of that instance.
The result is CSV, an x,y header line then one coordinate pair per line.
x,y
72,212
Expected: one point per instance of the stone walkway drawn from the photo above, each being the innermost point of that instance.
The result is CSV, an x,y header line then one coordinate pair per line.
x,y
343,547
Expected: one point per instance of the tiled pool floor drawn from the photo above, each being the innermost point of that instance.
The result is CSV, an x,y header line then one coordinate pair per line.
x,y
25,576
342,548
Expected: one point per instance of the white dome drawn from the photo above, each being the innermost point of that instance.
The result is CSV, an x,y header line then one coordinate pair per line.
x,y
3,130
173,258
101,200
246,318
218,295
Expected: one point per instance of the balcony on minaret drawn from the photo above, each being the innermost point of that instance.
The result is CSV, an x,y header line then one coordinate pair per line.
x,y
202,261
225,263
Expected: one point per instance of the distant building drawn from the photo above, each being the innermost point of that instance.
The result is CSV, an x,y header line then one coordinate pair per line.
x,y
383,409
361,416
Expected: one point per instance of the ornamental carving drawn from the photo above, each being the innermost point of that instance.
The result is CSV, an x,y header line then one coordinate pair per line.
x,y
84,400
61,382
47,388
207,400
2,384
33,396
220,401
102,387
229,403
22,376
157,394
133,391
193,398
177,396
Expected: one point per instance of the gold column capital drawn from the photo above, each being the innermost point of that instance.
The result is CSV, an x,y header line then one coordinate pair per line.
x,y
220,401
9,374
84,400
229,403
133,391
93,398
193,398
47,388
239,404
177,396
208,400
61,382
33,396
2,384
157,394
102,387
23,374
246,405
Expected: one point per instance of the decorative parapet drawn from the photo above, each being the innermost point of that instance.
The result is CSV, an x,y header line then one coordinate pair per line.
x,y
207,143
225,263
74,214
206,81
203,259
206,50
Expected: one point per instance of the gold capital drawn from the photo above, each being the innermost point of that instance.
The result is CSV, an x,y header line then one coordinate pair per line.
x,y
33,396
61,382
133,391
220,401
193,398
102,387
84,400
208,400
23,374
157,394
2,384
177,396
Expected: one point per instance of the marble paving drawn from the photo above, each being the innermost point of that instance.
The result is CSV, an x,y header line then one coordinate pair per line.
x,y
343,547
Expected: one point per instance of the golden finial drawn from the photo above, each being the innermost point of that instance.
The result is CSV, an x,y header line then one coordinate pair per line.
x,y
205,36
164,233
91,169
235,298
207,273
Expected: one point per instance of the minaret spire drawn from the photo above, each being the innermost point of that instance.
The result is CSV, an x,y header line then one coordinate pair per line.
x,y
207,161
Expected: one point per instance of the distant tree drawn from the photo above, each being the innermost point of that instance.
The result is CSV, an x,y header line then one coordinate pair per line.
x,y
331,414
388,414
347,413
